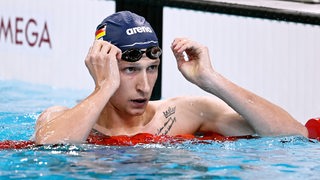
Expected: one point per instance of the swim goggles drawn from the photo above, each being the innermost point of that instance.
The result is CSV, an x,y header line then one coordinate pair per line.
x,y
133,55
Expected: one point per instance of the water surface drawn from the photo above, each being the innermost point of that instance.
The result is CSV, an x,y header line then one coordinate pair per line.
x,y
289,157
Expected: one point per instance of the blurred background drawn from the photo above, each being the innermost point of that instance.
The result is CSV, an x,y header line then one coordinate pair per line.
x,y
269,47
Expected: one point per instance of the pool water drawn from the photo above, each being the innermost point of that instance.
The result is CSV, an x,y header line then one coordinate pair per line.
x,y
291,157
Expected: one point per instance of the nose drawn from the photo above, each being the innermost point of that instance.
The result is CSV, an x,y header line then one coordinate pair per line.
x,y
143,83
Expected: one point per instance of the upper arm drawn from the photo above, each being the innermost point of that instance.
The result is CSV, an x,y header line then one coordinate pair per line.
x,y
221,118
45,118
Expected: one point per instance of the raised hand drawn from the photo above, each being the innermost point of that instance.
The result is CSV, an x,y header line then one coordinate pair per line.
x,y
102,63
193,60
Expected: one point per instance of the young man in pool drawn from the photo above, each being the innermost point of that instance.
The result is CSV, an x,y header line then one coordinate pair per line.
x,y
123,63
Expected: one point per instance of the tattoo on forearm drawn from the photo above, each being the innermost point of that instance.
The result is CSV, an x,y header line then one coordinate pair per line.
x,y
169,115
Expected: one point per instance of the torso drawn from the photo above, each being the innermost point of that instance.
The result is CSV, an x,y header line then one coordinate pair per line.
x,y
169,117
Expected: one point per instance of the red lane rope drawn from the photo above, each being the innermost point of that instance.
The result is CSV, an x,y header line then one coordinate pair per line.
x,y
145,138
11,144
142,138
313,126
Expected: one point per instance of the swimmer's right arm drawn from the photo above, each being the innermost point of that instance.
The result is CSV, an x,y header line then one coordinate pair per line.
x,y
63,125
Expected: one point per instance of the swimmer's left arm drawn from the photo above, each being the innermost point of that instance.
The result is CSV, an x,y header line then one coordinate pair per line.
x,y
214,115
265,118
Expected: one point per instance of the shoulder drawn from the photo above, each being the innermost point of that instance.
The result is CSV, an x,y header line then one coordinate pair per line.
x,y
54,110
195,104
193,100
50,113
177,99
211,106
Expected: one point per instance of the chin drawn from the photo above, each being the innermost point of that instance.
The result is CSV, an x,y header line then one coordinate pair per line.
x,y
137,112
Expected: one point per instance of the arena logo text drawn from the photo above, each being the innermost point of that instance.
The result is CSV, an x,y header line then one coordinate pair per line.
x,y
21,31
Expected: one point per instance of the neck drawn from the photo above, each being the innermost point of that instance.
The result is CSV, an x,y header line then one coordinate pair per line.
x,y
112,122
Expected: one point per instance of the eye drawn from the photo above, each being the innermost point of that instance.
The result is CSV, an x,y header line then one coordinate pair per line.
x,y
130,70
153,68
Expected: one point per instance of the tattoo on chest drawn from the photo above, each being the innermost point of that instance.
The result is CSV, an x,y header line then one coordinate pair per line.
x,y
170,120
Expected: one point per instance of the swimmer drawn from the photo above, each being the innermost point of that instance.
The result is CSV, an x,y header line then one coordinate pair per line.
x,y
123,62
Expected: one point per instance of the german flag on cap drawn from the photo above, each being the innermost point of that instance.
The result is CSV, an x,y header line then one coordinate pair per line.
x,y
100,33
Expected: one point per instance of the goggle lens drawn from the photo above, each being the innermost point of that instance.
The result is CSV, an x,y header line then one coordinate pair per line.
x,y
133,55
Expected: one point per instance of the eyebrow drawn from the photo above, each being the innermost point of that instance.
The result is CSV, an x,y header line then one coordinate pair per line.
x,y
137,62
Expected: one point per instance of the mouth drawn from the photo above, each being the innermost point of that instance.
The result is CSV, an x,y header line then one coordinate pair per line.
x,y
139,101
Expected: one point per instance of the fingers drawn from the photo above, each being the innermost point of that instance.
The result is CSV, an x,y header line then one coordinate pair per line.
x,y
97,46
185,49
180,45
115,51
101,60
105,48
101,51
88,57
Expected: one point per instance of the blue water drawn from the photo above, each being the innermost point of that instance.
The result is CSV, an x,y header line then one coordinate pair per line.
x,y
264,158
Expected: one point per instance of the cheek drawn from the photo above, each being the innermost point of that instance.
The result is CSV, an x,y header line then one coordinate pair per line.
x,y
124,86
120,95
153,78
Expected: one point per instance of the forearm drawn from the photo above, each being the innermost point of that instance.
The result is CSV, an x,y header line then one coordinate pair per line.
x,y
266,119
75,124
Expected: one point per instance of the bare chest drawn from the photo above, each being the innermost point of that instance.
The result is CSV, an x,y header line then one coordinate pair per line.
x,y
171,120
166,120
